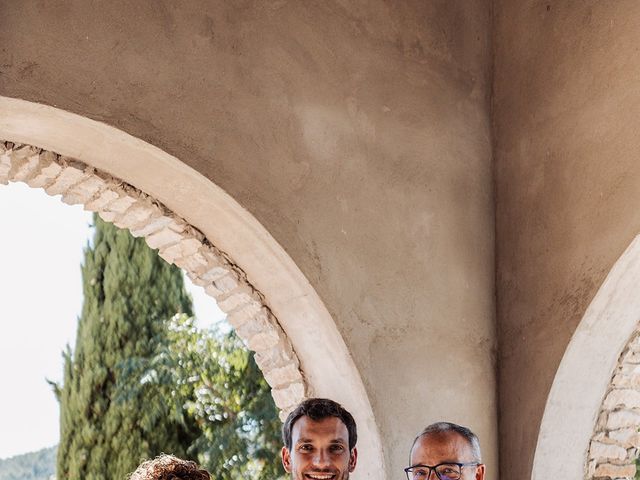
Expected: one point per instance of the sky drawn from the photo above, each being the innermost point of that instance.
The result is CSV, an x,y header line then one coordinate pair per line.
x,y
41,244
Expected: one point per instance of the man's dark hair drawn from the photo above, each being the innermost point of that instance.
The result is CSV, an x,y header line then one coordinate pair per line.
x,y
443,427
318,409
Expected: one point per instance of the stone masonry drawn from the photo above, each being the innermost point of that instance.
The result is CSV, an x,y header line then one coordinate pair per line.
x,y
177,242
615,444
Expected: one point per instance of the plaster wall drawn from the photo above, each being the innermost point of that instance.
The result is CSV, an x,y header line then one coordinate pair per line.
x,y
566,116
357,133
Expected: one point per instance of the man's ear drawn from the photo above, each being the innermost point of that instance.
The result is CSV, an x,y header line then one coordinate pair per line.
x,y
353,459
480,472
286,459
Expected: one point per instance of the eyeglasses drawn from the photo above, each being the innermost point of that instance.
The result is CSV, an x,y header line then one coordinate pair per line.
x,y
444,471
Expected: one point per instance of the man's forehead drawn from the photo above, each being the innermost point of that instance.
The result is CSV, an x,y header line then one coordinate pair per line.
x,y
332,428
436,447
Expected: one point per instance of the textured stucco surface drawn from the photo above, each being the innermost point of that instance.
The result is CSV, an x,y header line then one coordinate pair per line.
x,y
357,133
566,116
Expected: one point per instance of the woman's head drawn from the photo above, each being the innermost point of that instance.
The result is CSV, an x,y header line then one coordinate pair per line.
x,y
168,467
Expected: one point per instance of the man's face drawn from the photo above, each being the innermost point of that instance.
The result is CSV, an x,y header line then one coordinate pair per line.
x,y
446,447
319,450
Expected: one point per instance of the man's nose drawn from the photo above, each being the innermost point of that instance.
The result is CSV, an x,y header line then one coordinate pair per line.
x,y
321,457
432,475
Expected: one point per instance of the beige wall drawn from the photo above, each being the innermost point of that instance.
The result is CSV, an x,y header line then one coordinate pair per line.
x,y
566,116
357,133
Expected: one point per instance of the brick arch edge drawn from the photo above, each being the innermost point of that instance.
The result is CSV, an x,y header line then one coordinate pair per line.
x,y
178,243
586,428
614,446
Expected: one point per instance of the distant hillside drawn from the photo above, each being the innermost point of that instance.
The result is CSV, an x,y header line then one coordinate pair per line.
x,y
40,465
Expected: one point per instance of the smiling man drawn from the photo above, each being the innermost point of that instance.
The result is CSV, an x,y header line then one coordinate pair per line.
x,y
445,451
319,441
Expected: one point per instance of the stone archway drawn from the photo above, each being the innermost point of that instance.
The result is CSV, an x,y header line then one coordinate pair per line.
x,y
583,393
614,446
197,226
178,243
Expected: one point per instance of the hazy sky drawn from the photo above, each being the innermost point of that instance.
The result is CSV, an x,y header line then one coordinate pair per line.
x,y
41,242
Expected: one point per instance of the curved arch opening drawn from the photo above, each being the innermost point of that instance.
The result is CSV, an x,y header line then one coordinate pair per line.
x,y
68,354
584,375
196,225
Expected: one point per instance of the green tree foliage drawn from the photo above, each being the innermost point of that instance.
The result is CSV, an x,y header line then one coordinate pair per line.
x,y
143,379
208,376
129,295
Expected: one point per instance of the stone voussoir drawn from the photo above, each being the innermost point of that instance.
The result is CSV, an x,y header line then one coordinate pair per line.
x,y
5,163
603,451
154,225
631,357
634,344
73,172
99,202
622,397
609,470
139,213
24,163
629,369
163,238
49,171
282,376
224,286
264,340
84,191
278,356
115,209
630,381
211,268
288,396
625,437
187,246
244,296
623,418
213,291
249,311
262,322
191,263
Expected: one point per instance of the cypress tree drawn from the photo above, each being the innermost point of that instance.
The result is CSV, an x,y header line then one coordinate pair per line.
x,y
129,295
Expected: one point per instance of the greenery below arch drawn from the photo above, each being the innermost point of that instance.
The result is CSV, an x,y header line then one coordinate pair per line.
x,y
143,380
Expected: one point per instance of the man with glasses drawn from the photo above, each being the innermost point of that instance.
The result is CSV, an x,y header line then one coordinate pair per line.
x,y
445,451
